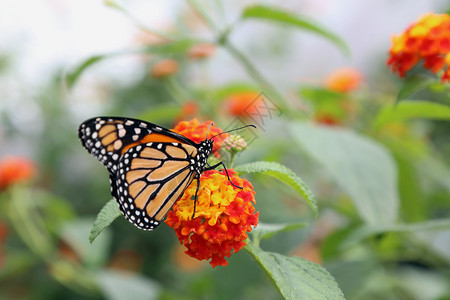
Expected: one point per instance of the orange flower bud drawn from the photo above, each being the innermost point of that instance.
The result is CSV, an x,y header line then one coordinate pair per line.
x,y
164,68
200,51
344,80
243,104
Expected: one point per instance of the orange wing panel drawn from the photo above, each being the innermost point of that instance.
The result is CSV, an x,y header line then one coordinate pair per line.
x,y
153,138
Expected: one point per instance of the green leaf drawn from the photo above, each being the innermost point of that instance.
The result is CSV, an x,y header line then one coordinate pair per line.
x,y
414,84
166,49
276,14
73,76
296,277
360,166
74,234
105,217
265,231
367,231
117,285
283,174
353,275
160,114
406,110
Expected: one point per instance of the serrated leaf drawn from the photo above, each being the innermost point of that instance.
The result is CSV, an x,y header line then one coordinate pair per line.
x,y
283,174
406,110
360,166
367,231
413,85
117,285
276,14
105,217
296,277
265,231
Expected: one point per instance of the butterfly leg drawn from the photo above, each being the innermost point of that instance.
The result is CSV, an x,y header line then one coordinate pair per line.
x,y
196,196
226,171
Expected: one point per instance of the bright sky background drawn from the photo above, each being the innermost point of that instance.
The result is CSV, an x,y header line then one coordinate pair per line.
x,y
43,36
46,34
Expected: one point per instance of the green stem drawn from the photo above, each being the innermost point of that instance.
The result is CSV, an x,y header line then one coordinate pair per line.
x,y
254,73
176,90
156,32
24,221
28,223
233,156
200,10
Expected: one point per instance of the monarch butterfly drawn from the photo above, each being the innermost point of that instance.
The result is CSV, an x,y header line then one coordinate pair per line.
x,y
150,166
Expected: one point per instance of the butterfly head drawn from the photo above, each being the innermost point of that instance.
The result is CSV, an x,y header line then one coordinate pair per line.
x,y
206,147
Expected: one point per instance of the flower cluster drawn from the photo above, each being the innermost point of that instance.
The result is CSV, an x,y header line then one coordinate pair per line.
x,y
196,131
428,39
223,216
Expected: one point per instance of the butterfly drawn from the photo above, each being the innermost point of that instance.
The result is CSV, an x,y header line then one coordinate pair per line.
x,y
149,166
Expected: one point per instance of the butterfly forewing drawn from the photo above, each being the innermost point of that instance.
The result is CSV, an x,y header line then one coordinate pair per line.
x,y
150,178
107,138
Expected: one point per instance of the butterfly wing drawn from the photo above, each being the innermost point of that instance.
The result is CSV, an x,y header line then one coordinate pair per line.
x,y
150,178
108,138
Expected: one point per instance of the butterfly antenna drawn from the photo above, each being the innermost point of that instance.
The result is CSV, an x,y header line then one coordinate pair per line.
x,y
212,123
235,129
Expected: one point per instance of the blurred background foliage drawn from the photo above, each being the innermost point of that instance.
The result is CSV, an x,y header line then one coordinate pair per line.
x,y
376,160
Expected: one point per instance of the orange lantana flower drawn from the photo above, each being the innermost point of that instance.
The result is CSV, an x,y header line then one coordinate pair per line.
x,y
15,169
196,131
223,216
427,40
344,80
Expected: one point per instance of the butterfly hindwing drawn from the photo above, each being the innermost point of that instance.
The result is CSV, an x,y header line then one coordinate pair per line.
x,y
150,178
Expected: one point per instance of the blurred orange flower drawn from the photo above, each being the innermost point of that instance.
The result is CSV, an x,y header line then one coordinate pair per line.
x,y
126,260
68,253
243,104
196,131
188,110
164,68
427,39
344,80
184,262
326,119
200,51
15,169
223,216
3,236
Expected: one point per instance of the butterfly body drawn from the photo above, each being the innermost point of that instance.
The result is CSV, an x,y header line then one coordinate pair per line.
x,y
150,166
